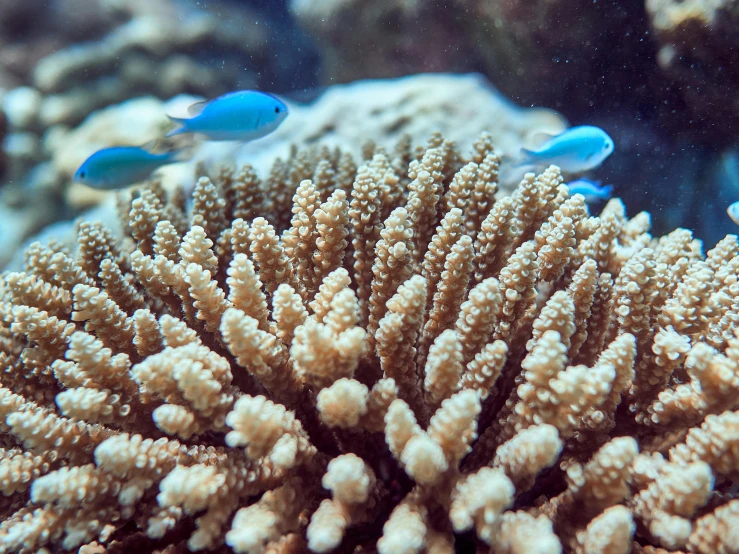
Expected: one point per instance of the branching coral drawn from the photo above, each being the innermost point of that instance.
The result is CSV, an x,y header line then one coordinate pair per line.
x,y
408,363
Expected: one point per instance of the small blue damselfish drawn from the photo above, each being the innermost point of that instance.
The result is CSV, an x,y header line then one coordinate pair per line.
x,y
121,166
591,190
577,149
239,116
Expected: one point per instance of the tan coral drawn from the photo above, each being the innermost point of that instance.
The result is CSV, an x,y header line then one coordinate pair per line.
x,y
352,484
449,294
245,290
716,531
332,224
396,336
609,533
288,313
343,403
414,353
672,498
267,429
528,453
479,501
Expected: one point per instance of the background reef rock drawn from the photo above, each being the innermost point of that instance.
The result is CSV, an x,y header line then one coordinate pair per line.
x,y
135,52
521,46
61,60
659,75
361,38
49,195
698,50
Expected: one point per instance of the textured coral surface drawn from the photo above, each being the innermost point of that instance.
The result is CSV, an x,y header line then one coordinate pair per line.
x,y
375,355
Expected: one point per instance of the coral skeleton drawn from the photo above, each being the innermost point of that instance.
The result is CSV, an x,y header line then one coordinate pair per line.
x,y
384,354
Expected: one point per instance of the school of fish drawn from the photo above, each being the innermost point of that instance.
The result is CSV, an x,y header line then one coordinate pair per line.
x,y
248,115
237,116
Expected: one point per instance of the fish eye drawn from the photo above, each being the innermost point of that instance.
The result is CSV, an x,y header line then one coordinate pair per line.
x,y
82,174
277,109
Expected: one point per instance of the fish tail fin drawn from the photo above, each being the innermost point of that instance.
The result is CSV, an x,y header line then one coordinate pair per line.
x,y
608,190
527,157
177,130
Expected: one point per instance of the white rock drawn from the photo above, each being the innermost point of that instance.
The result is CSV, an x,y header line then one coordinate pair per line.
x,y
21,145
21,106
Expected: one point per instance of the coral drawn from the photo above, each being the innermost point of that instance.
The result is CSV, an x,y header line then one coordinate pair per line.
x,y
391,368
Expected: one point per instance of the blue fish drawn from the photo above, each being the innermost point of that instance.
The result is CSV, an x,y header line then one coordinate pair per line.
x,y
240,116
121,166
591,190
577,149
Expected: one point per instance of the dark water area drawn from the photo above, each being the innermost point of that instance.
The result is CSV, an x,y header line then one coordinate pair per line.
x,y
297,59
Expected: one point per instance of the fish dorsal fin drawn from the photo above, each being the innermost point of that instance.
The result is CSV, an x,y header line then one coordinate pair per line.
x,y
197,108
539,138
